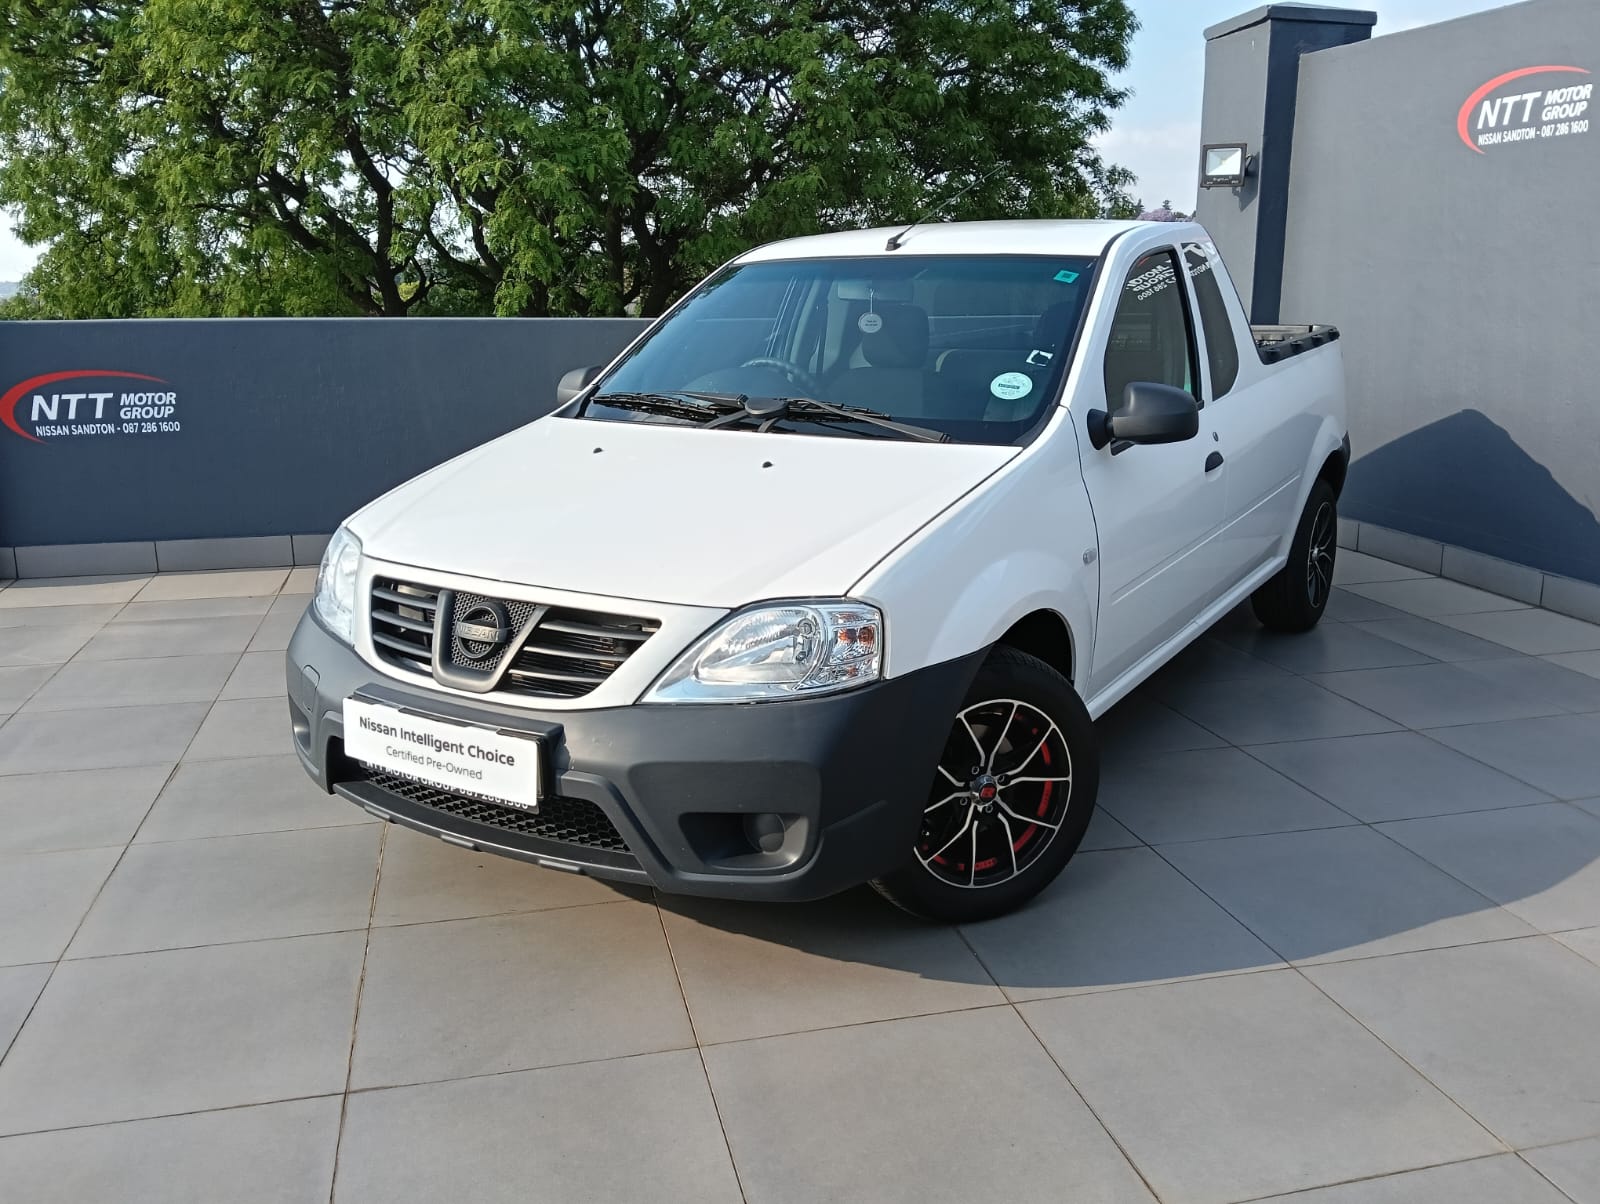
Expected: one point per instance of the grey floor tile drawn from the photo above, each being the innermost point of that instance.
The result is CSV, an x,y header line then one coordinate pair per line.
x,y
1395,775
233,888
1437,695
1106,833
640,1128
1266,711
424,879
19,683
244,727
193,608
83,685
267,1154
1591,805
1534,631
1556,755
1114,919
1501,1179
257,675
760,971
108,739
1434,639
1587,663
1585,943
1505,1029
1233,1088
71,591
239,796
19,987
1353,568
301,580
277,627
1434,596
1208,793
218,583
1574,1167
43,897
182,1031
1329,648
44,645
84,809
1541,863
468,997
1346,607
58,616
863,1113
1140,724
1537,677
1340,893
170,637
290,604
1211,659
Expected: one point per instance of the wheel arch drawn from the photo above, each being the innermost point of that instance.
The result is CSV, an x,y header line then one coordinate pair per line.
x,y
1045,634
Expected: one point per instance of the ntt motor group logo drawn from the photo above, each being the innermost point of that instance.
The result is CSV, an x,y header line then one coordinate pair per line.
x,y
1530,104
89,403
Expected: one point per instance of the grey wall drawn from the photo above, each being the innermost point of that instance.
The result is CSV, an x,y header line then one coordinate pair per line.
x,y
1465,284
286,426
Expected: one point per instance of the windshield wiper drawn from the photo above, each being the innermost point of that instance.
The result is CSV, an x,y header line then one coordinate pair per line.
x,y
694,407
768,410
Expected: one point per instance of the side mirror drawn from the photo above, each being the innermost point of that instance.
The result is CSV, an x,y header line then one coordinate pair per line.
x,y
575,382
1150,413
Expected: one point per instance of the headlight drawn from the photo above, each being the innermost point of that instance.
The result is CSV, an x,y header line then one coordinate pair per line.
x,y
335,599
779,650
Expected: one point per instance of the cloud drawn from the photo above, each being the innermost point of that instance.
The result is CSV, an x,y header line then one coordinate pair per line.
x,y
1164,156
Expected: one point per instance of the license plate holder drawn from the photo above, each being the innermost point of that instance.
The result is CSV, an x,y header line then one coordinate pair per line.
x,y
472,759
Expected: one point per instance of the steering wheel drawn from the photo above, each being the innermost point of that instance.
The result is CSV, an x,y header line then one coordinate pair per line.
x,y
793,372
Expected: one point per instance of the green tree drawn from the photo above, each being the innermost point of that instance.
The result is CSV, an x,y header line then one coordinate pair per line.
x,y
519,156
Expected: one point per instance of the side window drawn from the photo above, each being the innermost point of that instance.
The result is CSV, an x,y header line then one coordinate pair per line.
x,y
1150,337
1222,350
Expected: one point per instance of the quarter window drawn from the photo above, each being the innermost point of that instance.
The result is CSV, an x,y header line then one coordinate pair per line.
x,y
1150,337
1222,352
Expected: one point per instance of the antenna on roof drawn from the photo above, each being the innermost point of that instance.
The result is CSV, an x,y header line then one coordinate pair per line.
x,y
896,239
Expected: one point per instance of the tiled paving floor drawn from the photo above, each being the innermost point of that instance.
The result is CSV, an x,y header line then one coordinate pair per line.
x,y
1337,927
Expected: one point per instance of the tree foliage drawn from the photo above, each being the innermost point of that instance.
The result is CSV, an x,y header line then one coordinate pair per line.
x,y
519,156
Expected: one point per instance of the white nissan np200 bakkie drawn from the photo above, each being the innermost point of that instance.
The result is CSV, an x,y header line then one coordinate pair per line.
x,y
823,580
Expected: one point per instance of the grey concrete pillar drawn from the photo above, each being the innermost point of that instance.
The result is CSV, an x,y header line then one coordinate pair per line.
x,y
1252,79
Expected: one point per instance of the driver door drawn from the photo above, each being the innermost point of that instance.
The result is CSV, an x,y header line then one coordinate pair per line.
x,y
1158,508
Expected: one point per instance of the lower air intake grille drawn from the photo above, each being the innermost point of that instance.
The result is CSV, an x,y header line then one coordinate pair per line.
x,y
572,821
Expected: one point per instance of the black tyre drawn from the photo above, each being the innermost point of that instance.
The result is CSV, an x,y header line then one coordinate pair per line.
x,y
1294,598
1011,799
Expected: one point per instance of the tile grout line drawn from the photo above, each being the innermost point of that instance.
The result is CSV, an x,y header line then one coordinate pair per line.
x,y
1561,1191
699,1049
1304,977
1010,1003
355,1015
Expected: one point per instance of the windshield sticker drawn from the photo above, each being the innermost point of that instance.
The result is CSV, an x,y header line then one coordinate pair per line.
x,y
1066,277
1009,386
870,323
1038,359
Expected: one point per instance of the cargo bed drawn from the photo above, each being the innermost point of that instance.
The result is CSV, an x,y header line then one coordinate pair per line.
x,y
1274,343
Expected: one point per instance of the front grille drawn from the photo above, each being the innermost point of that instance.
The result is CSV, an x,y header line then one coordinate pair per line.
x,y
572,821
565,655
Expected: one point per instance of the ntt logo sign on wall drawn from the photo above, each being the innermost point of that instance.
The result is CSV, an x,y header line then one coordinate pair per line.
x,y
1530,104
89,403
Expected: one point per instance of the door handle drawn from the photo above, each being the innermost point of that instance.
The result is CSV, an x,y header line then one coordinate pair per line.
x,y
1213,461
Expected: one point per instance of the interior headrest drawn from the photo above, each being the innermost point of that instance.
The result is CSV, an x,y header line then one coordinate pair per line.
x,y
901,341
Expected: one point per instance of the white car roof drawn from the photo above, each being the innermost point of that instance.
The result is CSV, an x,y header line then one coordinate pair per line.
x,y
1017,237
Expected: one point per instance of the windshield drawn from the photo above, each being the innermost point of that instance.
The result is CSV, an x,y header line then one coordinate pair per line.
x,y
973,347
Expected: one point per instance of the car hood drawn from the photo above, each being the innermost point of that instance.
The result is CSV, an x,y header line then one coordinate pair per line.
x,y
670,513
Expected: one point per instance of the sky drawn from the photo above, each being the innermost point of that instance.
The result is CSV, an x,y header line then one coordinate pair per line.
x,y
1156,134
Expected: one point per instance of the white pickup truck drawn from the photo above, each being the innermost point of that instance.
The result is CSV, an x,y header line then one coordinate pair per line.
x,y
823,579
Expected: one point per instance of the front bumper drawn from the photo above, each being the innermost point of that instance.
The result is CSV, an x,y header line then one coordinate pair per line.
x,y
661,794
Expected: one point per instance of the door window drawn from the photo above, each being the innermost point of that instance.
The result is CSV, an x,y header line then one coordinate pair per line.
x,y
1150,336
